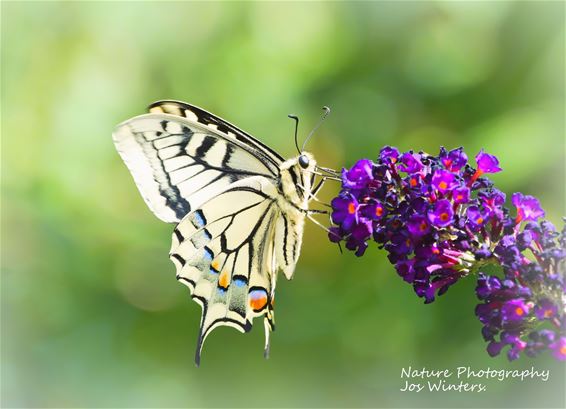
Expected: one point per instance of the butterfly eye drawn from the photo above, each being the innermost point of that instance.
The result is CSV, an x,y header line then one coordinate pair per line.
x,y
304,161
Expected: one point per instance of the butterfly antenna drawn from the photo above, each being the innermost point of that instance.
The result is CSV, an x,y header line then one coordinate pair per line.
x,y
296,118
322,118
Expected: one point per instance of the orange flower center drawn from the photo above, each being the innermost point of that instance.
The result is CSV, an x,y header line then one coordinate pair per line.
x,y
351,208
378,211
480,220
442,185
519,311
413,182
423,226
563,350
548,313
444,217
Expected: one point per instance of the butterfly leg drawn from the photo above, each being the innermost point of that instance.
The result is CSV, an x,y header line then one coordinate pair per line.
x,y
319,224
318,186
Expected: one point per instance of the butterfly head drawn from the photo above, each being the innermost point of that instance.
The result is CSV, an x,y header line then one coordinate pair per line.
x,y
296,178
304,161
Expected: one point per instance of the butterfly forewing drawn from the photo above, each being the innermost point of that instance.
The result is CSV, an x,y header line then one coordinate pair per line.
x,y
178,164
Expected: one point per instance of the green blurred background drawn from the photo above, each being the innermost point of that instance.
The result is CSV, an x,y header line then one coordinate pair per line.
x,y
91,313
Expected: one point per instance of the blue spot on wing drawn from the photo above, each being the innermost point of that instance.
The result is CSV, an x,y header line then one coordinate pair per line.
x,y
258,294
208,254
240,281
207,234
199,219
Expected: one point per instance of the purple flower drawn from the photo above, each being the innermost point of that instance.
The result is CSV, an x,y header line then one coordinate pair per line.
x,y
487,163
414,181
524,239
405,268
358,176
528,207
476,217
418,225
410,163
334,234
345,211
559,349
493,200
461,195
442,214
454,160
358,238
444,181
400,244
389,154
487,285
374,210
494,348
514,310
545,309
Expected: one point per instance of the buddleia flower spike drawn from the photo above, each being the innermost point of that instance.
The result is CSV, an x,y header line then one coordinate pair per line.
x,y
441,219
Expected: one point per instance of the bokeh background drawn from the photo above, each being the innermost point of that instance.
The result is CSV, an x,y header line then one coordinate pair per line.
x,y
91,313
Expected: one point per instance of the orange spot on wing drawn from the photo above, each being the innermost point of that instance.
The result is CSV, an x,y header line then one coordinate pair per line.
x,y
224,281
215,264
258,300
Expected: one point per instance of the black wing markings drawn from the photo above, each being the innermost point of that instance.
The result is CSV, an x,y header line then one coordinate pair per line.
x,y
168,190
206,118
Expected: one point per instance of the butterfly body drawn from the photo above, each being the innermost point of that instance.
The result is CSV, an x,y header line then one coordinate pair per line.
x,y
239,207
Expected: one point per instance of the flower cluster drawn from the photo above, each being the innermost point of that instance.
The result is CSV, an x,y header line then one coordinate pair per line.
x,y
441,219
525,308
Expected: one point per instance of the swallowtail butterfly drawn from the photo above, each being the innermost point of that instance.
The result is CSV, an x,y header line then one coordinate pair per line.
x,y
239,207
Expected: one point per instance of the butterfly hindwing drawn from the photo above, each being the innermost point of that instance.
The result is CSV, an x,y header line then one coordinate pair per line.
x,y
224,253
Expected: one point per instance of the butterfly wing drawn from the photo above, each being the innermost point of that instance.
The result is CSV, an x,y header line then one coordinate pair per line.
x,y
224,252
179,162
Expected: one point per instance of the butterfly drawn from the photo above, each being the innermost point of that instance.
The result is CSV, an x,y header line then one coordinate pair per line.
x,y
239,206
